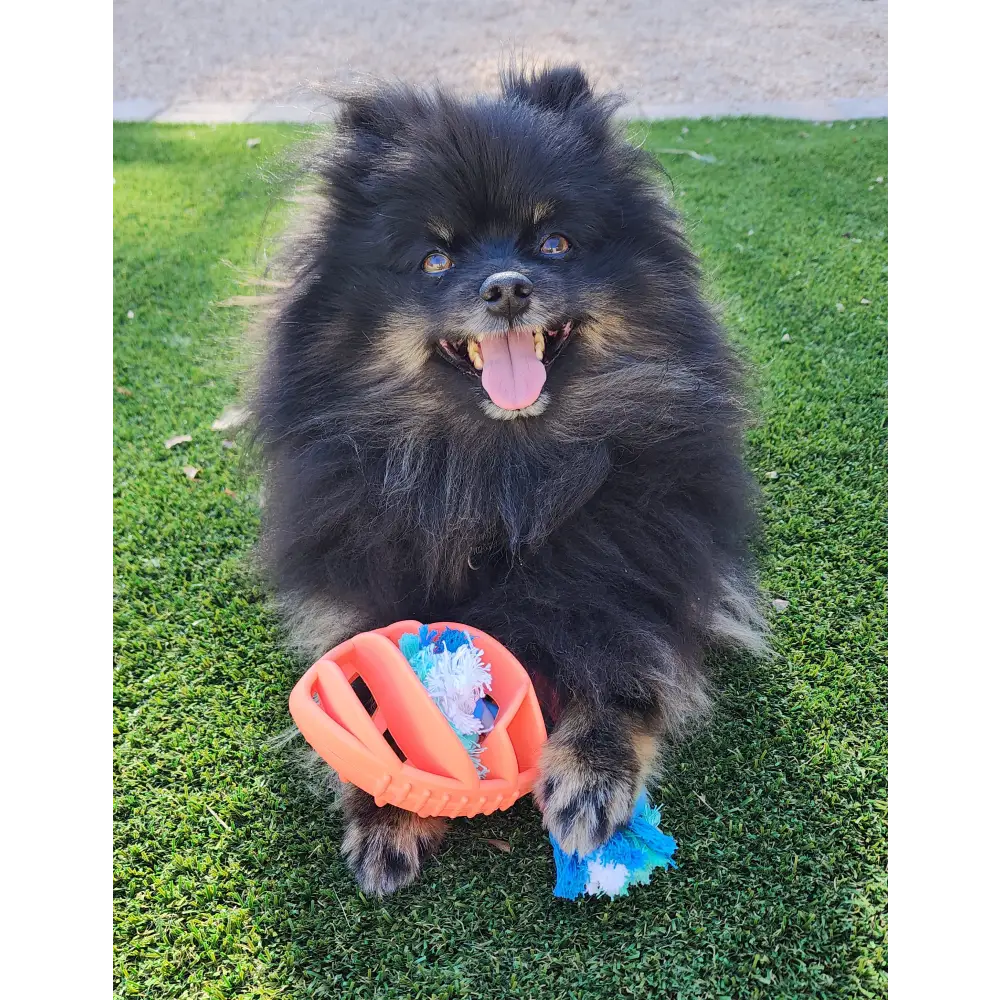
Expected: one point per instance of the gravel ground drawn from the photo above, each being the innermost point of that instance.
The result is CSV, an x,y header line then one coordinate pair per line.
x,y
734,52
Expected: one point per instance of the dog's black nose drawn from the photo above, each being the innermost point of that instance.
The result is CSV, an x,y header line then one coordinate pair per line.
x,y
506,293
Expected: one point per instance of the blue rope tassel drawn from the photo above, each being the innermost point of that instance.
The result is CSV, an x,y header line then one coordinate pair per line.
x,y
629,857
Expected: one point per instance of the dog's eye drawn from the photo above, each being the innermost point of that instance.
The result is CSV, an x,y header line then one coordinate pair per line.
x,y
554,246
435,263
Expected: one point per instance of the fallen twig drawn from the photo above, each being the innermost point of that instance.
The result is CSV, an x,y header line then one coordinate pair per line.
x,y
246,300
704,157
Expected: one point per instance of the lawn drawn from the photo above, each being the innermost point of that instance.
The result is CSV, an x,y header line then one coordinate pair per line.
x,y
227,877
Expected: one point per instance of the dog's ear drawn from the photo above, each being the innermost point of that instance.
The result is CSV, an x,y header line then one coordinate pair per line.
x,y
380,113
370,122
558,89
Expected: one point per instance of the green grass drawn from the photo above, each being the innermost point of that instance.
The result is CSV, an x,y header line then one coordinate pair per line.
x,y
228,882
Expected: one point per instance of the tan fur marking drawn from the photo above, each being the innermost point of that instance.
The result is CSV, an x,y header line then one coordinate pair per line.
x,y
386,847
739,621
542,210
582,804
441,230
400,350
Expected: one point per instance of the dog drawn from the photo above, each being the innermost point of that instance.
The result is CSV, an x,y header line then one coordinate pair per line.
x,y
495,394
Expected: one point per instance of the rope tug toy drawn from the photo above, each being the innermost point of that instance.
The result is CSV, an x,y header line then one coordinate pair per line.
x,y
464,734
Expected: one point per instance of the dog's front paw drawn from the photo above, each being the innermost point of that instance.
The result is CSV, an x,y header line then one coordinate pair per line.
x,y
386,847
584,801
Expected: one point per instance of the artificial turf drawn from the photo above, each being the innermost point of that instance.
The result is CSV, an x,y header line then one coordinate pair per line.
x,y
227,876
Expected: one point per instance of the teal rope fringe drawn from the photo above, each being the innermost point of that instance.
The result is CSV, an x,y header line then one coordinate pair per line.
x,y
629,857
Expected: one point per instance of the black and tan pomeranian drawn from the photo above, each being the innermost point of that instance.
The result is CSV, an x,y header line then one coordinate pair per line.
x,y
495,395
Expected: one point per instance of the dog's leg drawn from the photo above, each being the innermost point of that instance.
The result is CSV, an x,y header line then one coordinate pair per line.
x,y
385,846
592,770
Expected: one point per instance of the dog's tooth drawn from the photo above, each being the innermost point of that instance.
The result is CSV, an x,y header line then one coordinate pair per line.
x,y
475,354
539,337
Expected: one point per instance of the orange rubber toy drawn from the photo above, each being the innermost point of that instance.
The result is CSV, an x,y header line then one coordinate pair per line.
x,y
437,777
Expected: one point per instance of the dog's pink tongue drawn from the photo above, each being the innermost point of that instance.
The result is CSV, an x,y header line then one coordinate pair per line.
x,y
512,375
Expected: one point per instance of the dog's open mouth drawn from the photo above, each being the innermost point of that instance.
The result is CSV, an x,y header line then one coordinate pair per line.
x,y
512,366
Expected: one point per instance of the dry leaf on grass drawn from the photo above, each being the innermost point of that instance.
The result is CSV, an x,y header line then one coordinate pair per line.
x,y
229,492
232,416
180,439
779,604
246,300
500,845
191,471
122,391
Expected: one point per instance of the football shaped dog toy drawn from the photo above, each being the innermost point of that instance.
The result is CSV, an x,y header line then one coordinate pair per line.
x,y
455,730
441,754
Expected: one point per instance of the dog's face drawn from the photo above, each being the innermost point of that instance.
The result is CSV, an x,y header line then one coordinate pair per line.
x,y
494,313
485,257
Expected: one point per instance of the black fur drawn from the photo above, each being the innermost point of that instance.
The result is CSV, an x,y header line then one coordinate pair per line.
x,y
604,540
